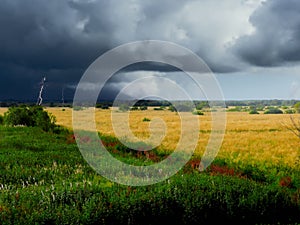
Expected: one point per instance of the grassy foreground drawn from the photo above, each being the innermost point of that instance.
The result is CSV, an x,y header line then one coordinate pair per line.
x,y
45,180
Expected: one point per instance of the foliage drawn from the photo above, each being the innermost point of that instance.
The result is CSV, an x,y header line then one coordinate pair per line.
x,y
289,111
273,110
238,109
102,106
297,107
134,108
146,119
77,108
45,180
202,105
143,108
1,120
253,112
198,112
33,116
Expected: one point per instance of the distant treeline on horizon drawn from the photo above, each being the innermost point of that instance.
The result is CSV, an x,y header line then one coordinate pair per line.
x,y
154,103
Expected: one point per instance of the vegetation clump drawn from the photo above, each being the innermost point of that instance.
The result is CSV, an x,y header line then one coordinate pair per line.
x,y
143,108
146,120
33,116
253,111
289,111
1,120
198,112
297,107
272,110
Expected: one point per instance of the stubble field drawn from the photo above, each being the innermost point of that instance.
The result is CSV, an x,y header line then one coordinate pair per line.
x,y
257,138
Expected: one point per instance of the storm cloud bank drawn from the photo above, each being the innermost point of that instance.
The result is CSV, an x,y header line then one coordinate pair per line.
x,y
60,39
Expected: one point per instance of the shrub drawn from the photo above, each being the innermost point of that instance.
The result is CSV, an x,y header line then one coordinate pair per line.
x,y
289,111
197,112
273,111
202,105
33,116
77,108
253,112
146,119
143,108
1,120
134,108
238,109
297,107
102,106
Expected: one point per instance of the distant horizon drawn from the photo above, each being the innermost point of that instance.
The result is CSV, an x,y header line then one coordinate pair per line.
x,y
69,101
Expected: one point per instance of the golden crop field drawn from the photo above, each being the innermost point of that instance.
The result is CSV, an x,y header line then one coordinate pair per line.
x,y
255,138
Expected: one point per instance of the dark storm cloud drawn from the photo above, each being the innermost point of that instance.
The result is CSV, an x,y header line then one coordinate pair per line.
x,y
41,38
40,34
276,39
59,39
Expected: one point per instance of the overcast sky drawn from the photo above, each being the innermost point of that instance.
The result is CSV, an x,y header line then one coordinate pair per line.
x,y
251,46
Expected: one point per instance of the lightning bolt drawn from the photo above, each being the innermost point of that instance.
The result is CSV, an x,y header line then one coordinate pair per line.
x,y
40,98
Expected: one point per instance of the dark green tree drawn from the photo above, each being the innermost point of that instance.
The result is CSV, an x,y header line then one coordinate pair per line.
x,y
33,116
297,107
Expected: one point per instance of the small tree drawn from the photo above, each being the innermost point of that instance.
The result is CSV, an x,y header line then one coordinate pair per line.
x,y
273,110
33,116
253,111
297,107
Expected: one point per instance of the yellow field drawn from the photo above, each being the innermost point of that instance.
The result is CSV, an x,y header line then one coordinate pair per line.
x,y
262,137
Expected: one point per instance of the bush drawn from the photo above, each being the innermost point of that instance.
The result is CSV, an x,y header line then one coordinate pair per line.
x,y
253,112
202,105
273,111
146,119
297,107
1,120
289,111
237,109
77,108
143,108
33,116
102,106
134,108
197,112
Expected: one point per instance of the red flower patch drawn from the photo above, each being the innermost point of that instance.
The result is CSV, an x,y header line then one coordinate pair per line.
x,y
71,139
285,181
216,169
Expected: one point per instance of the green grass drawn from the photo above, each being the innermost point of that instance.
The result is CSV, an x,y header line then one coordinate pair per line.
x,y
45,180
